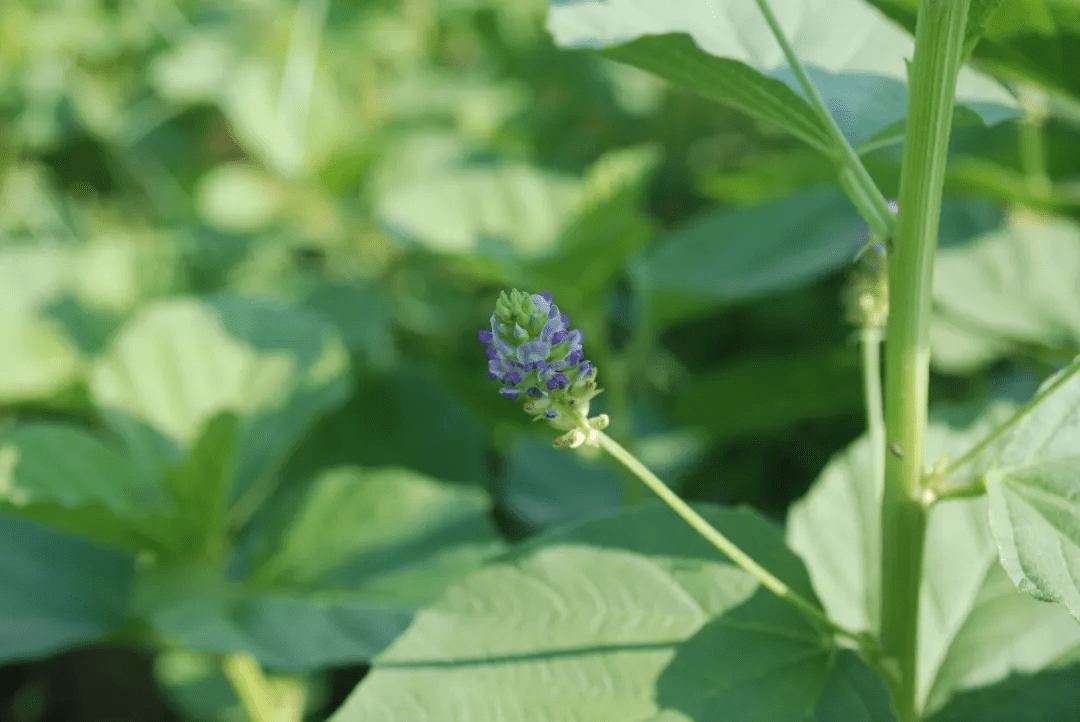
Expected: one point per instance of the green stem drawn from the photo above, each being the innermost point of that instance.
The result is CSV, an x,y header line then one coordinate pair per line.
x,y
854,177
875,413
939,43
721,542
251,686
1032,141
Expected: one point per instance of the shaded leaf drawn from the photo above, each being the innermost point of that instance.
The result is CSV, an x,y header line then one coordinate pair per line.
x,y
58,591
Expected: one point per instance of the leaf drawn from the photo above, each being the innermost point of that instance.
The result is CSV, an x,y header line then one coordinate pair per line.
x,y
66,477
766,392
1012,287
500,211
371,521
732,254
729,54
180,362
619,618
975,629
1051,695
196,608
545,486
1035,515
58,591
341,570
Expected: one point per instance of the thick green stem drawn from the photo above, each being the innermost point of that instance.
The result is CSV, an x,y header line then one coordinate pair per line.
x,y
251,686
854,177
939,44
721,542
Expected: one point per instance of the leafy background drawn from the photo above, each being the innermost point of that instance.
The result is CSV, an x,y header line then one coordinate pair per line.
x,y
244,251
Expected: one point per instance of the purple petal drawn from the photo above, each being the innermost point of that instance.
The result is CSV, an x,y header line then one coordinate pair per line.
x,y
542,302
534,391
547,295
551,413
554,313
485,337
575,337
519,332
585,369
573,357
559,336
496,341
558,381
493,354
551,328
533,352
509,392
514,377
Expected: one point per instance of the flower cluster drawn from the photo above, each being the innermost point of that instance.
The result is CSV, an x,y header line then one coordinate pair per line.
x,y
534,353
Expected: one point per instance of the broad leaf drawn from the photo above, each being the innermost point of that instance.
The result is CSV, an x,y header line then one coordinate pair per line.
x,y
1048,695
767,392
975,629
732,254
627,617
728,54
178,363
340,566
357,523
58,591
70,479
1015,287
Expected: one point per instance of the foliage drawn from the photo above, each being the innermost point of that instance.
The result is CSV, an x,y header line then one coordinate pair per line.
x,y
244,419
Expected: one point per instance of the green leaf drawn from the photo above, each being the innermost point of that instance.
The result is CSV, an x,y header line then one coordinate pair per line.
x,y
545,486
1035,514
68,478
197,608
58,591
733,254
180,362
975,628
1049,695
364,522
1015,287
341,570
620,618
856,58
761,393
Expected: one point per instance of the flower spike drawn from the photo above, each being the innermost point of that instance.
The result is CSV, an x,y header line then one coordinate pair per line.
x,y
536,356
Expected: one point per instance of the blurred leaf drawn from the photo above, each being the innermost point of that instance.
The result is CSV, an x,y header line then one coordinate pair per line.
x,y
408,419
196,608
58,591
731,254
625,614
71,480
856,58
180,362
975,629
371,521
238,198
606,229
1051,695
1015,286
505,211
755,394
361,317
545,486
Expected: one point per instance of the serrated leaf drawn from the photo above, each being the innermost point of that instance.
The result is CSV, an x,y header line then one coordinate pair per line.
x,y
180,362
620,618
728,54
1035,515
58,591
975,629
